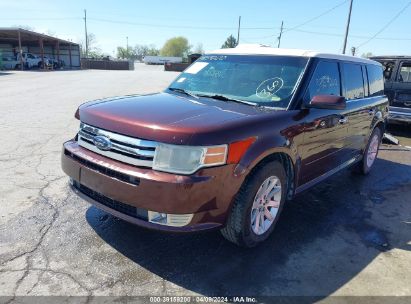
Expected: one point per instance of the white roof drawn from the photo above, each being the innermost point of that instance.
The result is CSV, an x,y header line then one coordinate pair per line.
x,y
259,49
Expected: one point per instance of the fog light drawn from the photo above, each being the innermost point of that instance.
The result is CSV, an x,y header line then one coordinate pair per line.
x,y
71,181
176,220
156,217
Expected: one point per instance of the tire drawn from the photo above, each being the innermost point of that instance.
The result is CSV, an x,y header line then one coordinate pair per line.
x,y
365,165
239,228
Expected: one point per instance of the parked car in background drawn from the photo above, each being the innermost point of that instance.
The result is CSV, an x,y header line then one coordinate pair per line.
x,y
397,75
10,63
237,134
53,63
30,60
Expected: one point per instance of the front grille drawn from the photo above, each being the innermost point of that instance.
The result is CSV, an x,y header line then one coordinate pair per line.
x,y
123,148
103,170
113,204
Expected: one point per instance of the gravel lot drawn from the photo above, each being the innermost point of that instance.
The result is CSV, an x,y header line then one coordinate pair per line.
x,y
348,236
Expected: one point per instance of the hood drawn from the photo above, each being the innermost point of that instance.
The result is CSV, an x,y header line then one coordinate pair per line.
x,y
166,117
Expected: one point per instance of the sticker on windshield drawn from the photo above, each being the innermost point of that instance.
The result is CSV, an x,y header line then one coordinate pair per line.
x,y
196,67
269,87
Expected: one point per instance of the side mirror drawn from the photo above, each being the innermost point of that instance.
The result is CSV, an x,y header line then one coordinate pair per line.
x,y
331,102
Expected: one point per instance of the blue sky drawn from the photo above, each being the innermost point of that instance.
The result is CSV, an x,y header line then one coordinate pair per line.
x,y
210,22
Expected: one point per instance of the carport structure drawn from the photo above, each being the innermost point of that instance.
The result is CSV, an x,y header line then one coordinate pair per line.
x,y
18,40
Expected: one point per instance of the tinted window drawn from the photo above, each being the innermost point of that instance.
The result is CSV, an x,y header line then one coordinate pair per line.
x,y
365,77
375,80
353,81
325,80
405,72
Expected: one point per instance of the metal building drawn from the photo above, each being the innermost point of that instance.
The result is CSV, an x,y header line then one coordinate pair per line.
x,y
17,40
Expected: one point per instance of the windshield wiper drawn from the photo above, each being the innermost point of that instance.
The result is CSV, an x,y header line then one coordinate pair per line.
x,y
183,91
225,98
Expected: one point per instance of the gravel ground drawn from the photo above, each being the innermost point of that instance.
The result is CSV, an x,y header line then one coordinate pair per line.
x,y
348,236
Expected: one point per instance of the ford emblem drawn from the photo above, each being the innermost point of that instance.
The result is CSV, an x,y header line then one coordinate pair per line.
x,y
102,142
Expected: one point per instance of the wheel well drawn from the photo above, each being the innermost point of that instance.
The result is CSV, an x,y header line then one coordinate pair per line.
x,y
287,163
381,125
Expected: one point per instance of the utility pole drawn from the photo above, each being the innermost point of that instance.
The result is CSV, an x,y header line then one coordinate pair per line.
x,y
85,30
281,33
127,43
347,28
239,27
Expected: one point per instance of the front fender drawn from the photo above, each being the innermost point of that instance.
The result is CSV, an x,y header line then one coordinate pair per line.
x,y
264,147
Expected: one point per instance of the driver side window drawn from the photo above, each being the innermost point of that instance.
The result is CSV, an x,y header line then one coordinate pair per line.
x,y
325,80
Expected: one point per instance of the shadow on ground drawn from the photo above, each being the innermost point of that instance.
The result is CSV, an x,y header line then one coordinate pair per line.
x,y
324,238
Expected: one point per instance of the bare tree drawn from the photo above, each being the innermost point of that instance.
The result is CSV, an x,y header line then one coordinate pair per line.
x,y
94,50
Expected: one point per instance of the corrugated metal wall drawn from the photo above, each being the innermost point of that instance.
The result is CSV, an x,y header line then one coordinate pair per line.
x,y
7,50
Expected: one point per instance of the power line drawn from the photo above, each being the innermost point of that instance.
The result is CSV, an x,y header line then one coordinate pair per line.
x,y
386,25
178,26
333,35
317,17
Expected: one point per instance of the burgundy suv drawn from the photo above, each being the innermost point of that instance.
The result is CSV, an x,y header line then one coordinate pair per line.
x,y
237,134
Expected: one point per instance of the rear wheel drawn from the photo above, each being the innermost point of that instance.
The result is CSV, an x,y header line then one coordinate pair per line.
x,y
257,206
370,152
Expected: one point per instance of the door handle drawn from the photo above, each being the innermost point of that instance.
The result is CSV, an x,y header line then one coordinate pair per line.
x,y
343,120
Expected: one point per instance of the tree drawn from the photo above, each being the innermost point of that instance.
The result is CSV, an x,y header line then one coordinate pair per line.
x,y
145,50
152,51
124,53
93,49
176,47
199,49
231,42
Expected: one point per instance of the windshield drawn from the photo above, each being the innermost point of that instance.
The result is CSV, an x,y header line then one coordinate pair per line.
x,y
262,80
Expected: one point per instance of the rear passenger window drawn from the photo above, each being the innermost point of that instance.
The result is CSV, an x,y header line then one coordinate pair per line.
x,y
405,72
325,80
375,80
353,81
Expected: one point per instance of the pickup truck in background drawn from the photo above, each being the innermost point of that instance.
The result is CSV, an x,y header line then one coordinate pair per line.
x,y
397,86
30,60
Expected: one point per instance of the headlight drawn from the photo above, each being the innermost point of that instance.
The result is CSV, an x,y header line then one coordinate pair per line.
x,y
188,159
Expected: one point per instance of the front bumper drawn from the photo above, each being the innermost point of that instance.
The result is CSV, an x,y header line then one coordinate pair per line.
x,y
119,188
397,114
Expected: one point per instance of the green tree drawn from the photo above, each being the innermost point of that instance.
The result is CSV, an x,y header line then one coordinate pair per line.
x,y
231,42
176,47
124,53
152,50
145,50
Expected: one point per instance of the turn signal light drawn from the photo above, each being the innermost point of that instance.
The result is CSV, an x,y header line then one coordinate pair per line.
x,y
237,149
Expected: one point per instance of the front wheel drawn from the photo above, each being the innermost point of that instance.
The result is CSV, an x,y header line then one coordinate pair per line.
x,y
257,206
370,152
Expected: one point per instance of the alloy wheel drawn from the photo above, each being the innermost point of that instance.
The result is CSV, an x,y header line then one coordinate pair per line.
x,y
266,205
